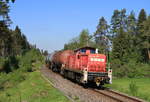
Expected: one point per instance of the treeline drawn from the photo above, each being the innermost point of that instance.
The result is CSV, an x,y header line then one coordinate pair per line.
x,y
13,43
17,56
126,38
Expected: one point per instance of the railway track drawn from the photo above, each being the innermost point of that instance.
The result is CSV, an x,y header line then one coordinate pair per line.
x,y
117,96
74,91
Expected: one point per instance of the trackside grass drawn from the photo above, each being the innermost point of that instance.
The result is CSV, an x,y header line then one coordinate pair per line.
x,y
24,83
33,89
139,87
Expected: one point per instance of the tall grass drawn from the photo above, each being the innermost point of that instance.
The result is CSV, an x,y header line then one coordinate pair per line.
x,y
133,88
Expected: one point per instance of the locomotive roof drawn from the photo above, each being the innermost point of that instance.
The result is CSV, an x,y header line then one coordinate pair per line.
x,y
86,47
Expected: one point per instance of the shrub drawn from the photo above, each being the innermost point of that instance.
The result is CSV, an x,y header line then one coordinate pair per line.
x,y
133,88
3,64
16,68
3,80
8,64
28,59
132,69
11,79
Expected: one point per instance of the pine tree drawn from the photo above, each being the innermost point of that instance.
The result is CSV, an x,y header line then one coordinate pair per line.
x,y
142,17
100,35
4,10
5,40
132,39
140,33
84,38
120,45
118,21
131,23
145,37
17,41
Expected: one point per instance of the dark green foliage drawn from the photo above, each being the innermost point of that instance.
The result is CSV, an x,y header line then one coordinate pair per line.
x,y
17,68
118,21
5,40
130,44
84,39
28,59
142,17
120,45
11,42
20,43
132,69
145,40
4,10
8,64
140,35
101,36
131,24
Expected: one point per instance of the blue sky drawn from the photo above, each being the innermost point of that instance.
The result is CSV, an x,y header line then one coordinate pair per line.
x,y
51,23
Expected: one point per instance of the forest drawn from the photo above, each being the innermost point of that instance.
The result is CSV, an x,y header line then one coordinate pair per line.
x,y
13,43
17,56
125,40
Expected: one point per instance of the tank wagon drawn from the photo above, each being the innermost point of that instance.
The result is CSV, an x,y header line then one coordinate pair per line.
x,y
84,65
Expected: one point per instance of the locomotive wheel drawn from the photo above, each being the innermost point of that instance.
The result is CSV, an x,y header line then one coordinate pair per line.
x,y
85,85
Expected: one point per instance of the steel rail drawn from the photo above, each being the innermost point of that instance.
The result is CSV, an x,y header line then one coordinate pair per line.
x,y
109,93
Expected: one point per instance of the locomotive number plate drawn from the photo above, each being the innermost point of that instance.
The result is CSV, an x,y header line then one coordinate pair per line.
x,y
97,59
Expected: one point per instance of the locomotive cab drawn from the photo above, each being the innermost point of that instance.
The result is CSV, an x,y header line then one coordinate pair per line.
x,y
93,66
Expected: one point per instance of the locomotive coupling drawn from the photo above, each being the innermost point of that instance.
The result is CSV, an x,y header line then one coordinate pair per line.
x,y
98,80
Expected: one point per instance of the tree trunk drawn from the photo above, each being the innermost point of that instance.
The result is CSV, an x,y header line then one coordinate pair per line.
x,y
148,53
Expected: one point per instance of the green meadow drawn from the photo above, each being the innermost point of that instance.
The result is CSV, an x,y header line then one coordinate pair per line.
x,y
33,89
139,87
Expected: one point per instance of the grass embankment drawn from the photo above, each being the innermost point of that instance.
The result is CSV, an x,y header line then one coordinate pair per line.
x,y
33,89
139,87
25,83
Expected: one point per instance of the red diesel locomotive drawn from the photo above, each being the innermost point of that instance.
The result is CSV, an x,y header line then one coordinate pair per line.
x,y
84,65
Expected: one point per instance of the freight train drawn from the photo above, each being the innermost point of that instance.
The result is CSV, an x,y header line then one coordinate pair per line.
x,y
83,65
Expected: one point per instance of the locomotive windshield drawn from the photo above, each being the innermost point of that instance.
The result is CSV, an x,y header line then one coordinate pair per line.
x,y
92,51
84,50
